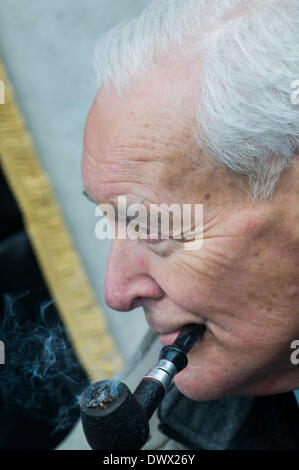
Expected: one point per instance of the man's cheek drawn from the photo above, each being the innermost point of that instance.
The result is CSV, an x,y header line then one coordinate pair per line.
x,y
220,365
211,372
202,265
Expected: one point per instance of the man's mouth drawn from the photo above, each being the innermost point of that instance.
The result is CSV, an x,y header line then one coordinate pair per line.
x,y
169,338
167,333
183,335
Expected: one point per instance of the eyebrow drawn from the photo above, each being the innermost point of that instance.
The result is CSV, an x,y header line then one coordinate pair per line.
x,y
129,218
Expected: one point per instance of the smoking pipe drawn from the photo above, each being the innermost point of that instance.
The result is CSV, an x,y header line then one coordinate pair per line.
x,y
115,419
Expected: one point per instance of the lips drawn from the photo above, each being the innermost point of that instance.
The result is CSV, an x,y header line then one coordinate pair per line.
x,y
169,338
167,332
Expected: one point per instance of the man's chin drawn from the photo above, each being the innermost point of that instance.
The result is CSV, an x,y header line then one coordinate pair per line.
x,y
207,383
195,390
201,388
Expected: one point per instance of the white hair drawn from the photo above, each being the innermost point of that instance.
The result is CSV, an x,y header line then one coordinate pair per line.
x,y
248,57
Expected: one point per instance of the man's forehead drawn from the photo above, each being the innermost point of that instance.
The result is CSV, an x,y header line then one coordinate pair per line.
x,y
130,122
160,106
141,138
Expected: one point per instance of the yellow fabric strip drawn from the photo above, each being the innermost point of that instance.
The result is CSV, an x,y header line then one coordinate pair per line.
x,y
51,242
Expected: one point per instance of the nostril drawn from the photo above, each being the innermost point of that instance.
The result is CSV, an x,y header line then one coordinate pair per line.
x,y
137,302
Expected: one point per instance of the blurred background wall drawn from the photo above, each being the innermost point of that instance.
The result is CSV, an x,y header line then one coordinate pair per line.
x,y
46,47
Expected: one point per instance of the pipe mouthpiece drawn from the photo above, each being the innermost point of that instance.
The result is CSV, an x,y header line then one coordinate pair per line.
x,y
189,335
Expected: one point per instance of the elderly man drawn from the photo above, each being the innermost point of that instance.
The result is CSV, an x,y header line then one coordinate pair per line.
x,y
198,105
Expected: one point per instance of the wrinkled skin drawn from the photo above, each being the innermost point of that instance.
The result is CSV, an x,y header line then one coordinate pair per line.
x,y
243,282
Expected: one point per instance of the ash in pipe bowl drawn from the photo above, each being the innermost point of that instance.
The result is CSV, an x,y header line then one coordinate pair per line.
x,y
112,418
105,395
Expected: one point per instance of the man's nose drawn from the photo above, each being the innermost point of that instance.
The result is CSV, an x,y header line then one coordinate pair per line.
x,y
127,282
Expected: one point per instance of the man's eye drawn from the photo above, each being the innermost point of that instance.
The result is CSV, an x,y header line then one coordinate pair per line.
x,y
152,237
154,240
148,235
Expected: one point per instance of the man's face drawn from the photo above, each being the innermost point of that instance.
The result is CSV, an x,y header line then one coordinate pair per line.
x,y
242,283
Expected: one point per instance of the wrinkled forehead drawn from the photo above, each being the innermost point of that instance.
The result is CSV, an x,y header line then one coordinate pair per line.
x,y
159,107
145,133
